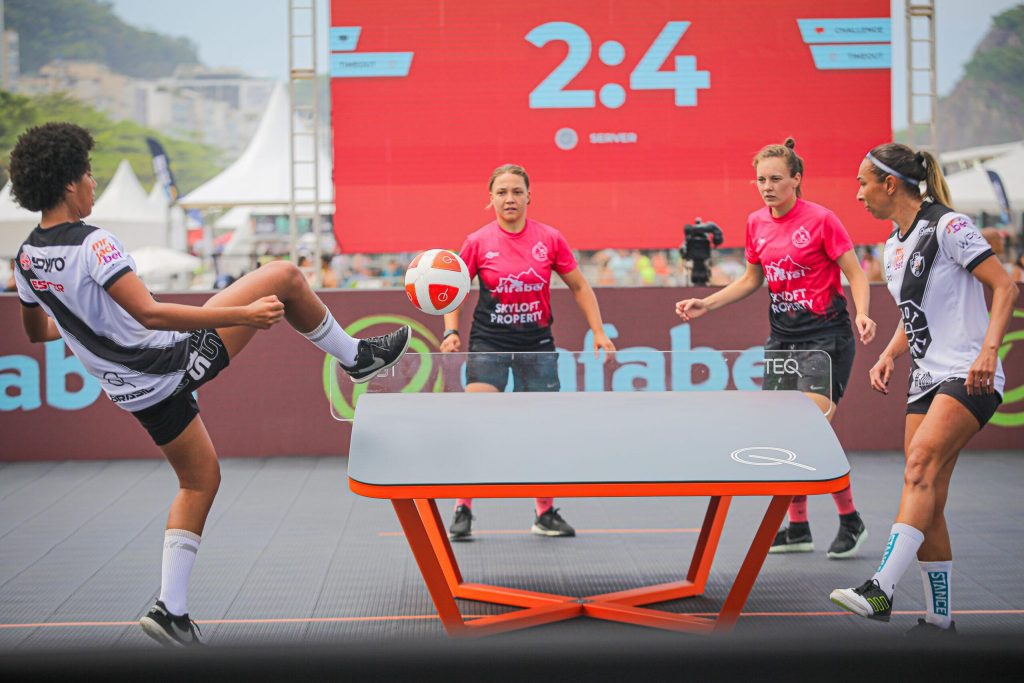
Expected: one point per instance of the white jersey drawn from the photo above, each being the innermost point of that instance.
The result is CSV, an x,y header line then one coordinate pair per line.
x,y
67,269
945,318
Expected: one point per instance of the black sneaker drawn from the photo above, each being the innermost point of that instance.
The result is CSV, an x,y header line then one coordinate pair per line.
x,y
376,354
867,600
168,629
551,524
462,526
795,538
928,630
851,535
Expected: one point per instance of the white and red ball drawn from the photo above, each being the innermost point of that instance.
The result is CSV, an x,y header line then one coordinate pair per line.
x,y
437,281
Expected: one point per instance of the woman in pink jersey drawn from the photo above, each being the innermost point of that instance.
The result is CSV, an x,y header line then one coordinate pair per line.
x,y
800,248
514,258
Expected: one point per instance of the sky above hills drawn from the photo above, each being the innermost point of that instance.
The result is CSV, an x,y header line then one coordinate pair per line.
x,y
233,33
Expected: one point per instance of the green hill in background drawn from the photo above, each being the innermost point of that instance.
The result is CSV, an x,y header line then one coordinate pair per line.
x,y
987,105
88,30
192,162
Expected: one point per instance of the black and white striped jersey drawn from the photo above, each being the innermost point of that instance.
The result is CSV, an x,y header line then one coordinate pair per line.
x,y
928,271
67,269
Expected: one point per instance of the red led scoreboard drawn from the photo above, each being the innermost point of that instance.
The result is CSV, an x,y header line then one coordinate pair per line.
x,y
631,117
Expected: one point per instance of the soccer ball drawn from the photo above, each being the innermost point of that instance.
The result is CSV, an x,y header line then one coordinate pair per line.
x,y
437,281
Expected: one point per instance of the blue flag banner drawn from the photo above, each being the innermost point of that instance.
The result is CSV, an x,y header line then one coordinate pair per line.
x,y
162,169
1004,202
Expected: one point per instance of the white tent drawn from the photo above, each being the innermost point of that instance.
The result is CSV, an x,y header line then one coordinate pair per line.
x,y
262,175
15,223
972,190
178,235
125,210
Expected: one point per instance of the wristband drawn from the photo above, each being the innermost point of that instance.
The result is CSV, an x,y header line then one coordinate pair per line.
x,y
448,333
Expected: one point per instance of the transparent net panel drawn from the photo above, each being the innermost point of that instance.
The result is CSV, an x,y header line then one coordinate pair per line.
x,y
753,369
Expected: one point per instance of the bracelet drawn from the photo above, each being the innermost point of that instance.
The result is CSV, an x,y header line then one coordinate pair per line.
x,y
448,333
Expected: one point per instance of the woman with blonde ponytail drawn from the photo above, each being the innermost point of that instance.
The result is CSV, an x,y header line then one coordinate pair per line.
x,y
935,264
801,248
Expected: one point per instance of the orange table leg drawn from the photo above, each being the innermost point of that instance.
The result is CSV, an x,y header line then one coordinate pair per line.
x,y
751,566
707,542
700,565
424,531
431,519
430,567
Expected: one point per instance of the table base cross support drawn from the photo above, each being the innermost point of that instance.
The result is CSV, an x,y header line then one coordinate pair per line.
x,y
424,530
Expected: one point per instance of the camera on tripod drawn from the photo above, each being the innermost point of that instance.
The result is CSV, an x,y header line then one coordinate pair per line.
x,y
699,239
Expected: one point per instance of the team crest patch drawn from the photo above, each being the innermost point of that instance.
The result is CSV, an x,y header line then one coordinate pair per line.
x,y
25,261
540,252
917,264
801,238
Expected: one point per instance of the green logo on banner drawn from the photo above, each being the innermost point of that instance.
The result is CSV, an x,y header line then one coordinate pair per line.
x,y
423,342
1002,418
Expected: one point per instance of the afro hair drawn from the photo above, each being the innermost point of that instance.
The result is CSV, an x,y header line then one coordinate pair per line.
x,y
45,161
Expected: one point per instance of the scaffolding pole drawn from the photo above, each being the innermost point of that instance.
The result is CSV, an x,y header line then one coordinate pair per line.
x,y
304,172
922,100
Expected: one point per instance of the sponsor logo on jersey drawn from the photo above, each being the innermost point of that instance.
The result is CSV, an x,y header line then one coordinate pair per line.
x,y
897,259
927,230
784,270
48,264
968,237
45,285
917,264
130,396
801,238
956,225
791,301
540,252
106,251
492,254
516,313
526,281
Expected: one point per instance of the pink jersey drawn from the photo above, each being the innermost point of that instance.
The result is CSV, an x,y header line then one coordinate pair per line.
x,y
514,309
798,254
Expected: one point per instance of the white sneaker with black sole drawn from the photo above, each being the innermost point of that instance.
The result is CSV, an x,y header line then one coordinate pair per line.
x,y
168,629
377,354
866,600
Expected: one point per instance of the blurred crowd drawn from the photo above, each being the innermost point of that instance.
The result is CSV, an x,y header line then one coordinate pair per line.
x,y
605,268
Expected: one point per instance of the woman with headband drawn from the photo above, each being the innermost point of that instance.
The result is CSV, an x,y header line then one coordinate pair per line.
x,y
936,262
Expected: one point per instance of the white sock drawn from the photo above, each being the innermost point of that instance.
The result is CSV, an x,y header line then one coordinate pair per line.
x,y
330,337
937,578
180,548
904,540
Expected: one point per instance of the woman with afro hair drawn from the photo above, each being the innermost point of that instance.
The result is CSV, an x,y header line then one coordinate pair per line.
x,y
77,282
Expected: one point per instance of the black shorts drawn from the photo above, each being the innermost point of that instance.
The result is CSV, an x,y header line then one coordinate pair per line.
x,y
982,406
166,420
810,367
532,370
